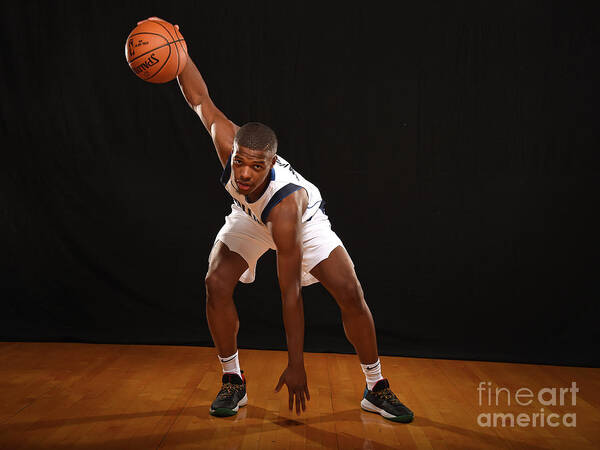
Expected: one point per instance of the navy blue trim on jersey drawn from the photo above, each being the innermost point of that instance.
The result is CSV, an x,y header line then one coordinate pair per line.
x,y
226,171
321,207
277,197
313,205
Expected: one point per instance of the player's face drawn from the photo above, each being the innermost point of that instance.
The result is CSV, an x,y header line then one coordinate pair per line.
x,y
250,169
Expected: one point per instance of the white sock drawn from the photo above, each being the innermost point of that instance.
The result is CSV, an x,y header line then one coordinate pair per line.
x,y
372,373
231,364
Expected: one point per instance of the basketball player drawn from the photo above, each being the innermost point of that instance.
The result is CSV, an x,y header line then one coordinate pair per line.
x,y
274,207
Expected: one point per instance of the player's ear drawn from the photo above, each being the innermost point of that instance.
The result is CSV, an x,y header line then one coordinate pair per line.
x,y
274,160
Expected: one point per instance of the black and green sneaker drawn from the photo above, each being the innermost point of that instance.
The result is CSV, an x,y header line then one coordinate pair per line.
x,y
231,396
383,401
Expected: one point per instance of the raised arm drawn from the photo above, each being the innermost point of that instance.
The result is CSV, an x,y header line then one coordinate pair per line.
x,y
221,129
286,228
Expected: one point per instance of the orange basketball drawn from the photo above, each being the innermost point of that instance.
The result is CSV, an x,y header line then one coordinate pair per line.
x,y
155,50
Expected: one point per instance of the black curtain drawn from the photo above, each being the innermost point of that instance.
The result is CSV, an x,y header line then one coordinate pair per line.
x,y
454,142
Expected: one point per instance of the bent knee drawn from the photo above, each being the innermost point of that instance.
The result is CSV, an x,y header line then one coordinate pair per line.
x,y
351,298
217,286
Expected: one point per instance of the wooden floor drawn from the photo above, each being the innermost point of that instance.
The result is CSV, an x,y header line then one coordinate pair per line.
x,y
91,396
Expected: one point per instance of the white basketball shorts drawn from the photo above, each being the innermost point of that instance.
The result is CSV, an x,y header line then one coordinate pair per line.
x,y
243,235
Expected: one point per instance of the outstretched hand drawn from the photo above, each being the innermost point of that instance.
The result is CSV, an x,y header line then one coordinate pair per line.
x,y
295,379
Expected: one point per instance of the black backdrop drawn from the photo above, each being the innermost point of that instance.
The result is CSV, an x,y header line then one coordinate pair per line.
x,y
454,143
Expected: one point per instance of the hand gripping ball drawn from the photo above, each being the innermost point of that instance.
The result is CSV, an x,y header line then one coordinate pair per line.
x,y
155,50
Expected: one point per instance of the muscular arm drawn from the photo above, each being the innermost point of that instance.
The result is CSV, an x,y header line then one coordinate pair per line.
x,y
285,221
286,224
221,129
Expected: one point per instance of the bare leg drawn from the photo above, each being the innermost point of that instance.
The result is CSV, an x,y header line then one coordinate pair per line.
x,y
224,270
337,274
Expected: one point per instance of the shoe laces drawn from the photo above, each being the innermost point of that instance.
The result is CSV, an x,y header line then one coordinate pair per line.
x,y
388,395
227,390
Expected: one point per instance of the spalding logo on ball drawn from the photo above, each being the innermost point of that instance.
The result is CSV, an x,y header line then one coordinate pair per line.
x,y
155,51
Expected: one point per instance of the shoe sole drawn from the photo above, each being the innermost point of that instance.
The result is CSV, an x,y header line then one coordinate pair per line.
x,y
226,412
366,405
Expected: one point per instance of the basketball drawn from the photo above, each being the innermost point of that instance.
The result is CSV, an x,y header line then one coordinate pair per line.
x,y
155,51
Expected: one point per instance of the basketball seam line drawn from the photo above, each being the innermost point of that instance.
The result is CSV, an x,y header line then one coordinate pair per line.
x,y
177,34
154,49
146,32
161,67
176,49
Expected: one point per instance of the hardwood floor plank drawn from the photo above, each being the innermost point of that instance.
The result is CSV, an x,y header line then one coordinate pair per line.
x,y
91,396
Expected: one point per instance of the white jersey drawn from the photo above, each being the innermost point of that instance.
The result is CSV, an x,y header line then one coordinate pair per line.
x,y
283,180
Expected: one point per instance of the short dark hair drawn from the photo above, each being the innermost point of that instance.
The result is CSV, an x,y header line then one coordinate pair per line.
x,y
257,136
